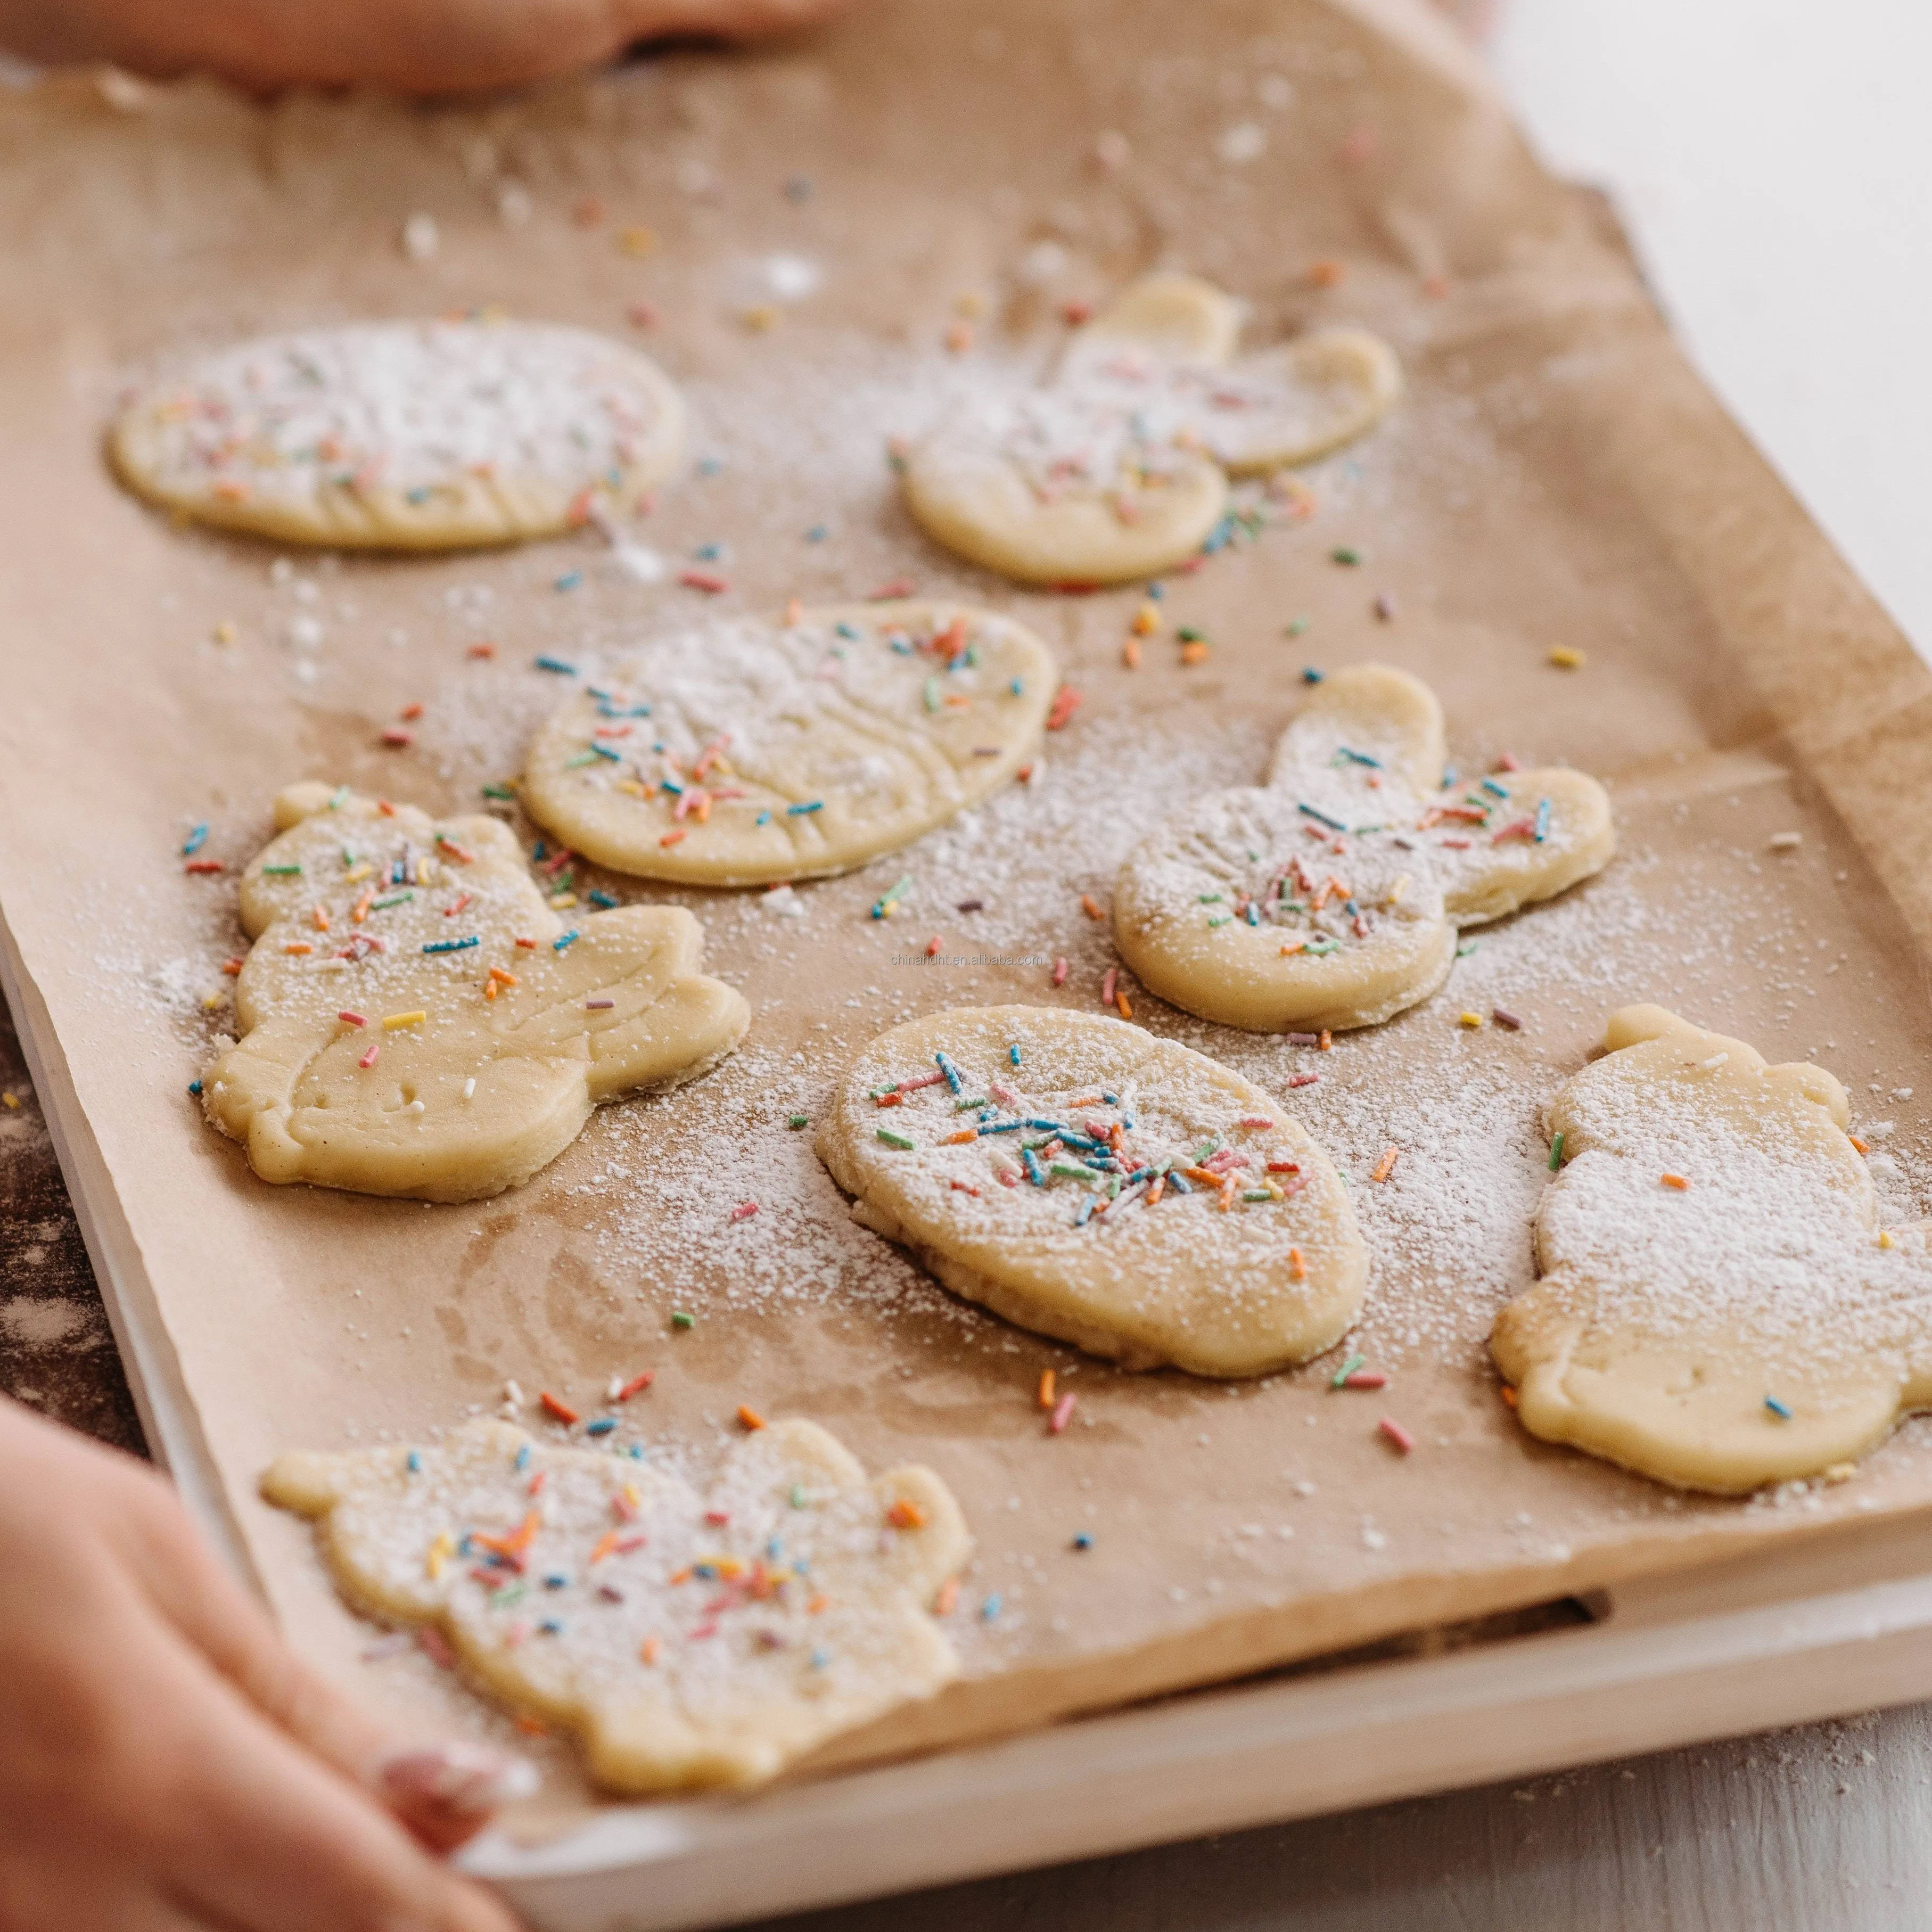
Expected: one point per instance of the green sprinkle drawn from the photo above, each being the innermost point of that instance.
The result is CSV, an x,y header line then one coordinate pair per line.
x,y
932,699
1339,1379
1296,625
893,1140
1191,633
1556,1154
1345,554
1210,898
798,1495
338,798
498,791
1225,919
1465,947
966,1106
1073,1170
679,1319
1257,1194
283,872
582,758
799,1120
394,899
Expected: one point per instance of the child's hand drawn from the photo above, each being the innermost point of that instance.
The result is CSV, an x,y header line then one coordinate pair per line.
x,y
411,46
165,1763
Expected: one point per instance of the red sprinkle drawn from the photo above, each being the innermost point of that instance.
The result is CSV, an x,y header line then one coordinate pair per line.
x,y
411,712
1366,1379
637,1384
1504,1017
351,1019
368,1060
899,586
482,650
1066,701
932,947
717,1518
203,866
396,735
744,1210
562,1410
1396,1434
1303,1079
1063,1414
1059,972
704,580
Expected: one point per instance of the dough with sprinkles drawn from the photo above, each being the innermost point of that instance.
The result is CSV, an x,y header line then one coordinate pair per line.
x,y
406,435
745,752
1331,896
1719,1307
415,1020
1119,468
1083,1179
684,1639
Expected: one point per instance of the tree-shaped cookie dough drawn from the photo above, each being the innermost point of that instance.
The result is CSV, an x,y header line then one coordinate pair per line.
x,y
1331,896
405,435
745,752
1085,1180
1119,467
684,1639
415,1020
1719,1307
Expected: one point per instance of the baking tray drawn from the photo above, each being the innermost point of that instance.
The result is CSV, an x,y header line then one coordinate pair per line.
x,y
1557,476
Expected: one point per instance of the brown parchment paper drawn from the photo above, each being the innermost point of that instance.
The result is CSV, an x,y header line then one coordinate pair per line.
x,y
1556,474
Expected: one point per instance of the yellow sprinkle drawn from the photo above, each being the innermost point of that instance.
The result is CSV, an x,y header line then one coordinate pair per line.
x,y
760,318
355,872
440,1551
972,304
12,1100
1840,1472
211,1000
631,786
637,240
562,901
392,1021
1469,1019
1566,657
1884,1234
1147,620
225,632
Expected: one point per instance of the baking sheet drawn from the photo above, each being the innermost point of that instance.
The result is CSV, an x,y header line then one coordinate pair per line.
x,y
821,215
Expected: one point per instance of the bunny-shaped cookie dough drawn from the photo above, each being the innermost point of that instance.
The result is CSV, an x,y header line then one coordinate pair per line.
x,y
415,1020
1331,896
1719,1307
1119,468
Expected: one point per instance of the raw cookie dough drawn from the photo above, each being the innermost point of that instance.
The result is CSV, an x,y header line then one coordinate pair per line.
x,y
415,1020
686,1639
747,751
1754,1323
405,435
1083,1179
1332,896
1118,469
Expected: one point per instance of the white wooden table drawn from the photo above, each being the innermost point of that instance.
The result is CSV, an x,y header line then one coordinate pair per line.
x,y
1771,159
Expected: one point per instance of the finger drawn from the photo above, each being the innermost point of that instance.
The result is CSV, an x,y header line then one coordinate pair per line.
x,y
265,1837
445,1793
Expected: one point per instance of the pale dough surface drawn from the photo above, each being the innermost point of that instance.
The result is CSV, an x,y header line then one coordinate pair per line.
x,y
1030,1205
1118,469
1331,896
405,435
357,909
746,752
1668,1320
684,1638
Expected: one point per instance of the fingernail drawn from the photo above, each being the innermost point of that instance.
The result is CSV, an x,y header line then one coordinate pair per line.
x,y
469,1778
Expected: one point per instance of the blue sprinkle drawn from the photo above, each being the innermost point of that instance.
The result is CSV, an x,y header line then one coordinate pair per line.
x,y
708,553
637,1452
1082,1541
846,630
550,1627
1156,591
1030,1161
1013,1055
1322,818
605,751
538,853
1359,758
599,897
570,579
1777,1408
763,818
1254,913
463,1548
1448,776
1000,1126
798,189
774,1547
710,465
602,1426
1018,687
546,662
1542,819
1179,1183
672,786
820,1659
557,1580
558,945
1494,789
991,1607
453,945
414,1463
1309,675
196,839
522,1461
944,1063
817,534
194,1086
1084,1213
799,811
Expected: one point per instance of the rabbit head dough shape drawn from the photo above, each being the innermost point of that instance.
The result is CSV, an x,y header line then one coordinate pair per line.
x,y
746,752
1332,895
405,435
1719,1307
699,1639
1092,1183
1119,467
477,1059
